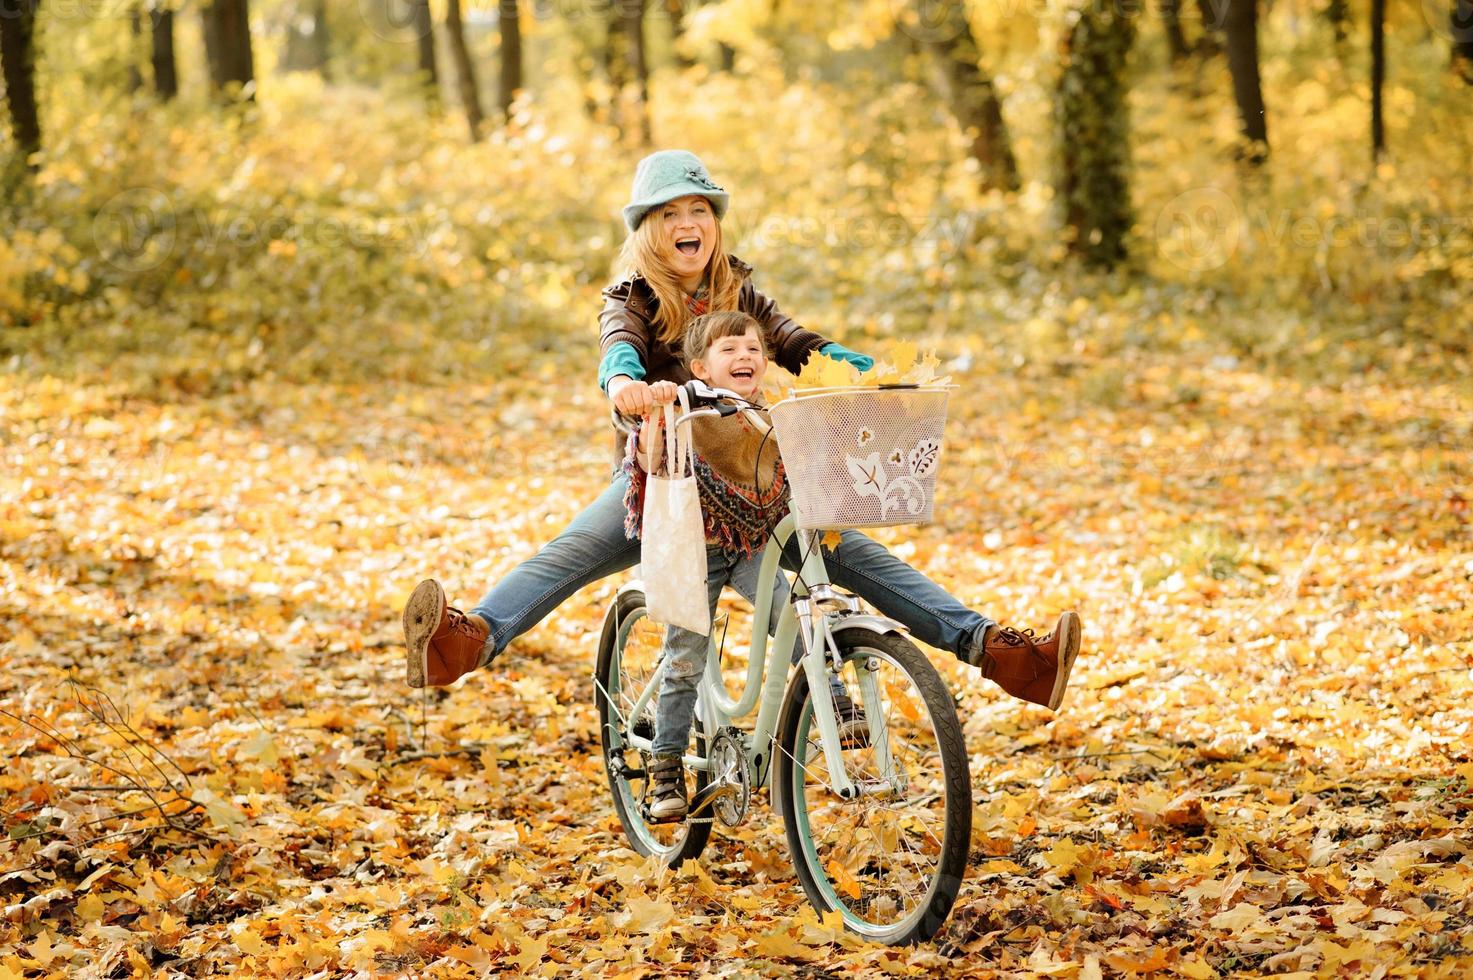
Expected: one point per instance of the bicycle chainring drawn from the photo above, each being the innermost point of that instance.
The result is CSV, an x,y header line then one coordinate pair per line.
x,y
730,789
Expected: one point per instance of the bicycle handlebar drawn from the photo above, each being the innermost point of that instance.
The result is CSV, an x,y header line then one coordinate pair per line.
x,y
703,399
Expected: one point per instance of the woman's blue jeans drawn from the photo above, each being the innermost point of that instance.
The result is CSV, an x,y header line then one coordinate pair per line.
x,y
594,545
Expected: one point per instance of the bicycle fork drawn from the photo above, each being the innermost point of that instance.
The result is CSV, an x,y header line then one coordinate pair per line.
x,y
816,635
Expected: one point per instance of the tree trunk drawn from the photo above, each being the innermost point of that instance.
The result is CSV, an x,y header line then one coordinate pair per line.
x,y
1213,13
726,56
1176,41
1337,12
135,49
1462,33
165,76
1378,77
675,9
972,98
1093,133
424,32
465,71
18,62
509,20
227,32
1242,50
631,14
616,67
306,40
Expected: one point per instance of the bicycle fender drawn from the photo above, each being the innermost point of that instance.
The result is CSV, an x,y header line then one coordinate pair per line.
x,y
869,623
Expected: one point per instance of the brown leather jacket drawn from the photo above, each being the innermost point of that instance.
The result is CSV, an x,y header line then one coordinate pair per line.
x,y
628,316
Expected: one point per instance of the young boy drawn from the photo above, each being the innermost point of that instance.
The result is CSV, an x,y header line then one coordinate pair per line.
x,y
725,350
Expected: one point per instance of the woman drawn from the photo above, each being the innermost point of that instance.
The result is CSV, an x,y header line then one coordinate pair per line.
x,y
678,268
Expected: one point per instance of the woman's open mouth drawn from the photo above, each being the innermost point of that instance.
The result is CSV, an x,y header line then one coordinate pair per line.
x,y
688,246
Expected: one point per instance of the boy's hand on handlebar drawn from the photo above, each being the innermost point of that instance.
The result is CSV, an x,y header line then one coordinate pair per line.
x,y
663,392
637,398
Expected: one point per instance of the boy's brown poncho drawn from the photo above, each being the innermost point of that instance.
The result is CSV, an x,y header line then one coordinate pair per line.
x,y
743,497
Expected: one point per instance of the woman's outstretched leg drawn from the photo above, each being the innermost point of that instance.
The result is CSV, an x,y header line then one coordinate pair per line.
x,y
1033,668
443,643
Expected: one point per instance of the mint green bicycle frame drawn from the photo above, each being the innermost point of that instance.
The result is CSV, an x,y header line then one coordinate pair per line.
x,y
817,632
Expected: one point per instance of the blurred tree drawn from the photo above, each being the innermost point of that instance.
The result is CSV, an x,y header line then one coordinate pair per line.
x,y
1213,14
1378,77
675,10
508,19
161,28
424,32
1462,32
970,93
18,62
616,65
1337,12
306,38
135,48
631,15
465,70
1176,40
226,25
1093,131
1242,50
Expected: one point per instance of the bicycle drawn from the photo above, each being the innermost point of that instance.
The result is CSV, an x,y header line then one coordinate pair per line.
x,y
880,832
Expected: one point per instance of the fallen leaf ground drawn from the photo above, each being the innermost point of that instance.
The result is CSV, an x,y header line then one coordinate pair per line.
x,y
1263,764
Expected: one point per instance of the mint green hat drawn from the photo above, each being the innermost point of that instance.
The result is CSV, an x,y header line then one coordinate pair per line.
x,y
665,175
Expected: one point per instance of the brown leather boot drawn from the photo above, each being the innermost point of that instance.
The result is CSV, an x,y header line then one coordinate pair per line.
x,y
442,643
1034,669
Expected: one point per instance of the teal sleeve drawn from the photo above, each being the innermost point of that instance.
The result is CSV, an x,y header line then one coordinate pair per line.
x,y
841,353
621,358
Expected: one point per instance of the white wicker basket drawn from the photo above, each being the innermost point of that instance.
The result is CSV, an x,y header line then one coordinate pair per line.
x,y
862,456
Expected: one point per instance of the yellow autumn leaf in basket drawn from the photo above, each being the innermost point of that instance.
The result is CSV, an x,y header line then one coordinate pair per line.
x,y
903,366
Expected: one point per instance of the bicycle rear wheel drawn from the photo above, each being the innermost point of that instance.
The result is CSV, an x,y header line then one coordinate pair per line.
x,y
892,860
628,652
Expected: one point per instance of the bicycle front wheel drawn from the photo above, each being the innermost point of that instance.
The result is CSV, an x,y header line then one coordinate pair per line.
x,y
628,652
892,860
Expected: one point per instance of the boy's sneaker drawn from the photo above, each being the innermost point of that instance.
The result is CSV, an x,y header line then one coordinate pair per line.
x,y
667,799
442,644
853,726
1031,668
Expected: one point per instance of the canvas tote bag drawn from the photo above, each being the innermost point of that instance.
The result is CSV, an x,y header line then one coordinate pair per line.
x,y
673,542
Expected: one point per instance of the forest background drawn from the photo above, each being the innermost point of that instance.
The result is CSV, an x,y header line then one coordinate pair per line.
x,y
298,305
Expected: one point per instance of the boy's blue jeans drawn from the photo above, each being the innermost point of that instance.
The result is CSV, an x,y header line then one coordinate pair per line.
x,y
594,545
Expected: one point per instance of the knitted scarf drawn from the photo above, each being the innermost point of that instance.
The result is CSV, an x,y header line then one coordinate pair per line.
x,y
742,497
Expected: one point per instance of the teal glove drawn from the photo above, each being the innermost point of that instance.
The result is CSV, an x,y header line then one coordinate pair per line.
x,y
841,353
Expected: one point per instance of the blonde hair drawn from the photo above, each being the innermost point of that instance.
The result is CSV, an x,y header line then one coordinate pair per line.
x,y
705,330
642,253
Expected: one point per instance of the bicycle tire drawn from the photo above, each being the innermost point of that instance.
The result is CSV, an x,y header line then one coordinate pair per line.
x,y
629,643
865,874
